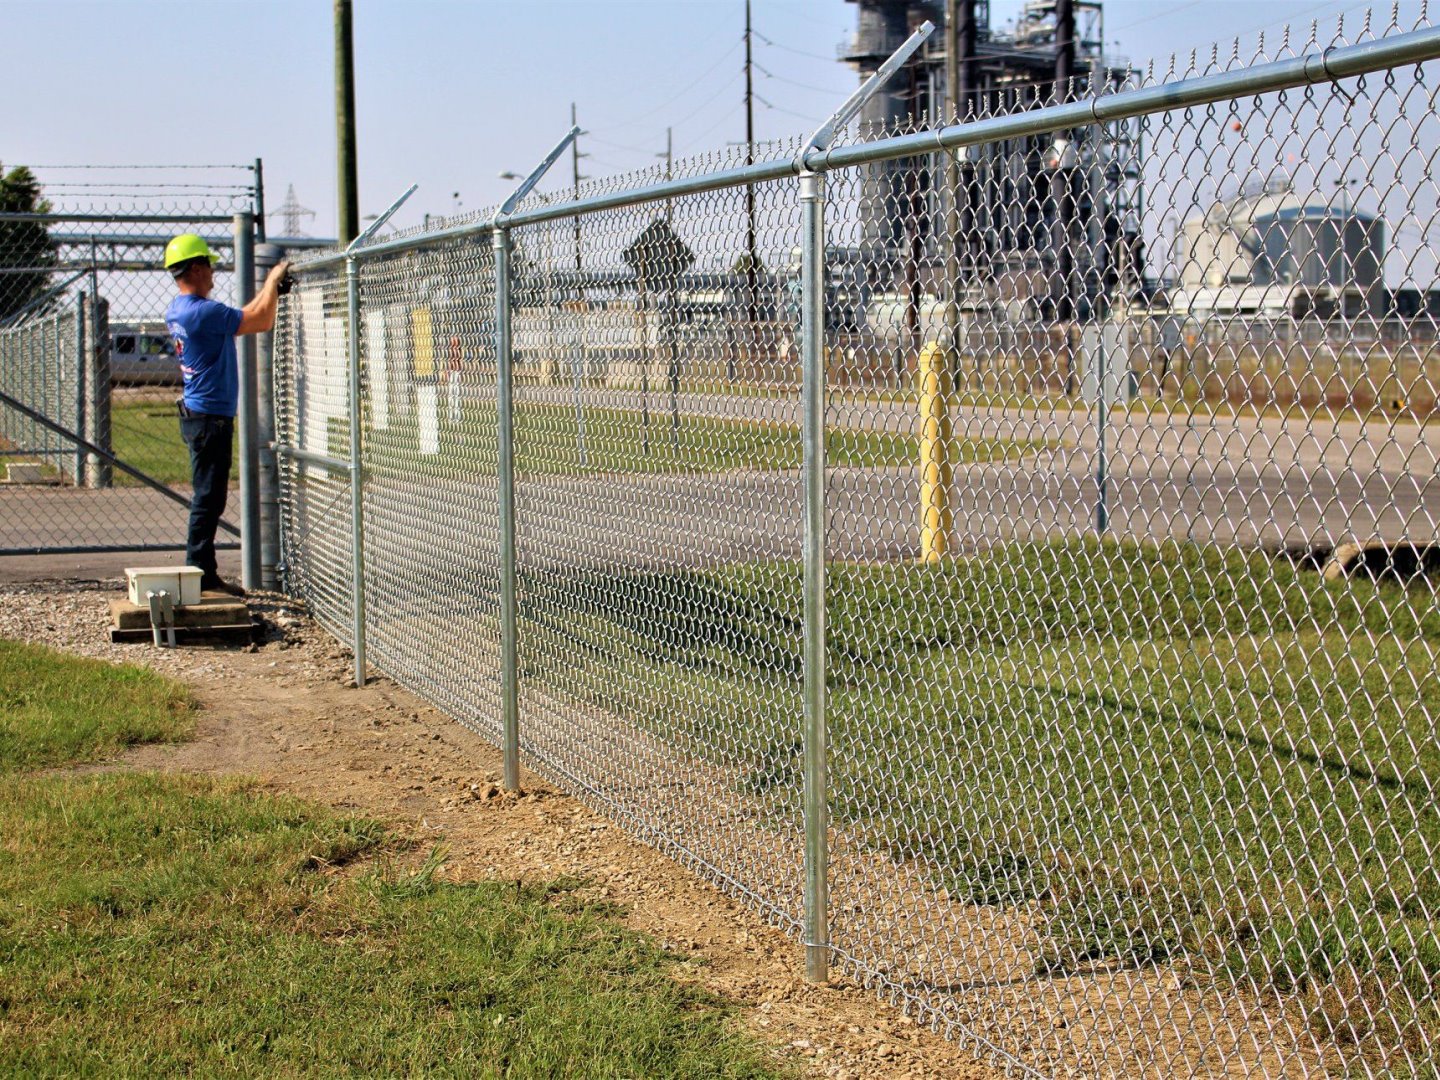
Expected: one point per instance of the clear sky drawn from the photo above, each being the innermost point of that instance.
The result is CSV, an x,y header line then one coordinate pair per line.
x,y
452,92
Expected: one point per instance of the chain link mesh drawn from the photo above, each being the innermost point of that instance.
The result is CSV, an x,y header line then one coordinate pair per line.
x,y
1132,537
312,415
654,514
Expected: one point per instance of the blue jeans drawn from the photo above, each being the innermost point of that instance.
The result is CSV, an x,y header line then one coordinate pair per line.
x,y
211,439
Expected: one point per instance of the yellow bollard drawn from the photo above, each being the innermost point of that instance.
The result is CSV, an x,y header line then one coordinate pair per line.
x,y
937,519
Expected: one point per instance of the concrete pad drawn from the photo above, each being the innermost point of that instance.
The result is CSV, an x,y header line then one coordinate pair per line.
x,y
211,611
23,472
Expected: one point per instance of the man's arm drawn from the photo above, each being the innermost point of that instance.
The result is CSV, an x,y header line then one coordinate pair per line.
x,y
258,316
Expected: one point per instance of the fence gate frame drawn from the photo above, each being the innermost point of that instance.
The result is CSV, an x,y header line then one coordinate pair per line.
x,y
90,437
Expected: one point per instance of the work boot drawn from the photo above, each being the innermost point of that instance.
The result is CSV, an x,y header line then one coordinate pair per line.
x,y
220,585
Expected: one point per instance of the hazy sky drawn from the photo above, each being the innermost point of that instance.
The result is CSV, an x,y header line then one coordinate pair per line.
x,y
450,93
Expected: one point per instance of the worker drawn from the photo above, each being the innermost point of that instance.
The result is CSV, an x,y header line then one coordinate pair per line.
x,y
204,331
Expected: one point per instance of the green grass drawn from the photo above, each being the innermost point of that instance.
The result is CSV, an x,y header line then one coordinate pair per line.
x,y
1163,752
146,436
1145,404
179,925
59,710
548,441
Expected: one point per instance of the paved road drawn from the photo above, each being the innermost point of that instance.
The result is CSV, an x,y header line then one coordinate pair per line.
x,y
442,530
34,516
1208,478
1217,478
1308,441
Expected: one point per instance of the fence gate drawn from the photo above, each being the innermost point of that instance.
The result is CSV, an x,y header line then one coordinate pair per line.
x,y
91,458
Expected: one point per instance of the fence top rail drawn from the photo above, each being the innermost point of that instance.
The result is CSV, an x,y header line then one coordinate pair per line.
x,y
1329,65
132,218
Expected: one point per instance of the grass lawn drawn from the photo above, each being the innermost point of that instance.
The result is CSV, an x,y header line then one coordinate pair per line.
x,y
1140,406
60,710
146,435
548,441
1165,752
164,925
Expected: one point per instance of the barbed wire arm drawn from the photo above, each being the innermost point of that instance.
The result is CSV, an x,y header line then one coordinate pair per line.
x,y
536,174
381,220
825,134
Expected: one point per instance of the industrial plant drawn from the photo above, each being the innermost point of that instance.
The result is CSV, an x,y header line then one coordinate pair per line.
x,y
1044,225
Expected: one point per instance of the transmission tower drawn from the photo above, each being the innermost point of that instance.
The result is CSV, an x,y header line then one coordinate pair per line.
x,y
291,212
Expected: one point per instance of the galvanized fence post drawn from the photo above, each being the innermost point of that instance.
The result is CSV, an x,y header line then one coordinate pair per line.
x,y
80,391
58,386
244,272
504,389
815,741
357,494
1102,422
357,475
266,256
505,421
47,332
99,472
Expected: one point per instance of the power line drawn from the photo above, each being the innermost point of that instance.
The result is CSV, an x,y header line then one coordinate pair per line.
x,y
790,112
702,106
669,100
743,40
93,168
823,24
804,86
695,140
609,164
619,146
1154,15
1290,19
792,49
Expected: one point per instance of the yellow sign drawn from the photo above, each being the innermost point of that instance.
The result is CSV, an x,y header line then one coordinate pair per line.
x,y
424,343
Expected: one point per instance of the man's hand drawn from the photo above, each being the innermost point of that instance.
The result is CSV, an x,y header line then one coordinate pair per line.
x,y
258,316
279,276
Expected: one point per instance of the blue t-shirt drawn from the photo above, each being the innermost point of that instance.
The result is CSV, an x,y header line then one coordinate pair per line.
x,y
204,332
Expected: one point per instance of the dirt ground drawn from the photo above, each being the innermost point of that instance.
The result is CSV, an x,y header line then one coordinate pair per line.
x,y
287,712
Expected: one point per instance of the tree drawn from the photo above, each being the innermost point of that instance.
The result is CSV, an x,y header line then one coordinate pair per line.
x,y
25,246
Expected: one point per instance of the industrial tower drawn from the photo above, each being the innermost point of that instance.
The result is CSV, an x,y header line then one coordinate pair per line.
x,y
1050,221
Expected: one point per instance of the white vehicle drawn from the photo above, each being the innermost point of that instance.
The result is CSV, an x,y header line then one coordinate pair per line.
x,y
142,354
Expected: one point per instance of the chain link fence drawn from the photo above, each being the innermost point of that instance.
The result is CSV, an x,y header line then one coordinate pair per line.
x,y
93,237
43,366
1085,704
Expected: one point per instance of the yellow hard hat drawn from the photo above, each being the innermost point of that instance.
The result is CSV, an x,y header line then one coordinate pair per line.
x,y
188,246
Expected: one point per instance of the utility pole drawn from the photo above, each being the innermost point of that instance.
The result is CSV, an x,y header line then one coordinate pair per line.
x,y
959,85
348,226
1062,183
752,259
669,156
575,157
259,171
749,94
952,177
